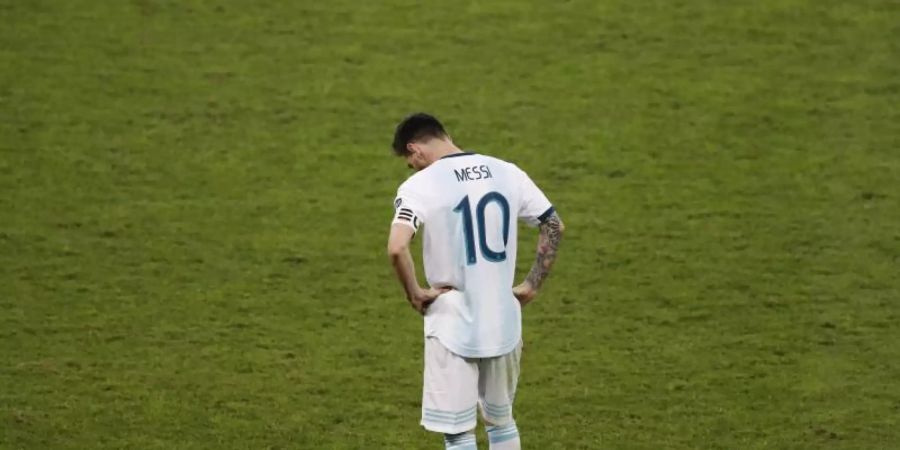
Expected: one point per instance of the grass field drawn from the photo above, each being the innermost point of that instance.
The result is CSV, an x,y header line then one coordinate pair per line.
x,y
196,197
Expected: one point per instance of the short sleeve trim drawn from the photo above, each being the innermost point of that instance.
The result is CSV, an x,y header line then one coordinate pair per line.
x,y
405,223
546,215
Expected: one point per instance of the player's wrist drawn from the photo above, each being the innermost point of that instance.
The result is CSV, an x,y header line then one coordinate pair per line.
x,y
415,293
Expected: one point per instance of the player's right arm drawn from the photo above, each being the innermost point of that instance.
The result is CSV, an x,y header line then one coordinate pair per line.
x,y
401,259
549,238
404,226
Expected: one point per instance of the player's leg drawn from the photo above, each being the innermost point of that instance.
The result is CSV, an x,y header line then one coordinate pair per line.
x,y
498,378
504,437
450,396
460,441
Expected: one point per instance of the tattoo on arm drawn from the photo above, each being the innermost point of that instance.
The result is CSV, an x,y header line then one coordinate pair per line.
x,y
548,244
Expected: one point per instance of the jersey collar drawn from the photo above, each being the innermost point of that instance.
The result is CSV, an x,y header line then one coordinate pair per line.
x,y
453,155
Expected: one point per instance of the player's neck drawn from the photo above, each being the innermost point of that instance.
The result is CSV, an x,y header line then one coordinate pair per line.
x,y
446,149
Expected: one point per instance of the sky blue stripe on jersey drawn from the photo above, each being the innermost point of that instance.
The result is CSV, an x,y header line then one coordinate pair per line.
x,y
451,420
493,406
454,420
546,214
438,412
449,417
497,410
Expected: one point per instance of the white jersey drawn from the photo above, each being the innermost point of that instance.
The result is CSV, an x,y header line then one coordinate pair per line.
x,y
469,204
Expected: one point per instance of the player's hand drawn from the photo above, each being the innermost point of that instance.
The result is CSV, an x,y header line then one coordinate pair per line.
x,y
420,301
525,293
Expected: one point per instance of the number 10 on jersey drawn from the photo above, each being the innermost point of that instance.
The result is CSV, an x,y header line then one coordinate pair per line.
x,y
465,209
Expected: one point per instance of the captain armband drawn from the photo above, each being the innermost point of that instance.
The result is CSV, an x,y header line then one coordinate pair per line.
x,y
406,216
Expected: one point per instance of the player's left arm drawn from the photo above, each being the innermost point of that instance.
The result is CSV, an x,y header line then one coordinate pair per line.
x,y
549,238
536,209
404,266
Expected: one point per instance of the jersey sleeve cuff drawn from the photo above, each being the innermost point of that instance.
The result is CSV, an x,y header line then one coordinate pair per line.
x,y
405,223
546,215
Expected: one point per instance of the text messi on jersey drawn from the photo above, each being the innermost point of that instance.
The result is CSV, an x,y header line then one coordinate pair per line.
x,y
473,173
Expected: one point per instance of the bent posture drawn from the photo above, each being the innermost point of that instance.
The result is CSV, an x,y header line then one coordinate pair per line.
x,y
468,205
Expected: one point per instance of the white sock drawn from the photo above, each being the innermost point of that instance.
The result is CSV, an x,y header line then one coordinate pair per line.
x,y
504,437
461,441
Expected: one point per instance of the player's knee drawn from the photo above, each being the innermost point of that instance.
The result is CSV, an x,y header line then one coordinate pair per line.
x,y
490,422
496,425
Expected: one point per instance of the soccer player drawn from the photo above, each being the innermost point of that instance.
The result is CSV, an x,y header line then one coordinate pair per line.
x,y
468,204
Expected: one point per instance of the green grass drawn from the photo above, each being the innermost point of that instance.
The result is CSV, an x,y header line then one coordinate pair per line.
x,y
195,202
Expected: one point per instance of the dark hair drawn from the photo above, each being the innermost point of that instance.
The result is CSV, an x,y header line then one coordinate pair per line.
x,y
416,127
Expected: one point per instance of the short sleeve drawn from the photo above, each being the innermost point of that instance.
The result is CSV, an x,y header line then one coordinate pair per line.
x,y
534,207
408,209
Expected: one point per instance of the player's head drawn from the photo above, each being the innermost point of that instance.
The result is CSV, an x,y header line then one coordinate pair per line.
x,y
417,138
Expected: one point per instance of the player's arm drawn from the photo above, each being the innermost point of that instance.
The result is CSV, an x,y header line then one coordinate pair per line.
x,y
549,237
398,251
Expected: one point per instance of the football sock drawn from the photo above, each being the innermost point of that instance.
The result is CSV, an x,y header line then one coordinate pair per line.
x,y
504,437
461,441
